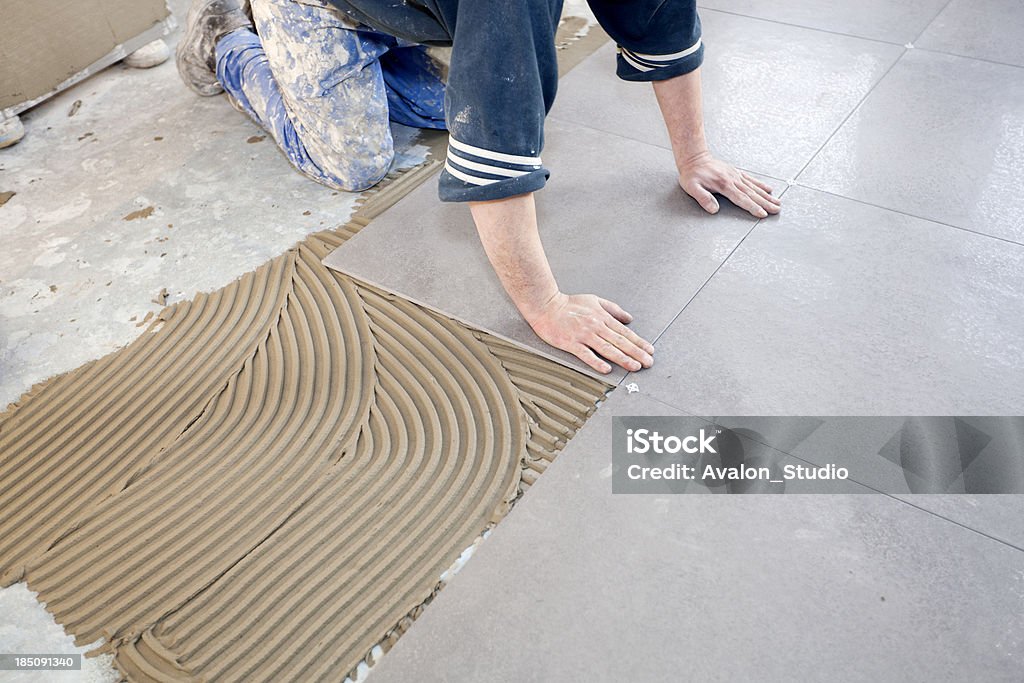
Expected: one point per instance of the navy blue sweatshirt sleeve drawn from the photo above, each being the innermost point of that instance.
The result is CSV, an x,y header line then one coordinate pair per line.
x,y
501,84
657,39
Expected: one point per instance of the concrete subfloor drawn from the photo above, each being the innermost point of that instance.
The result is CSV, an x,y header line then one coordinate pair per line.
x,y
146,188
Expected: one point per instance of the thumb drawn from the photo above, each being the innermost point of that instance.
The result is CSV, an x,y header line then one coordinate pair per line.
x,y
703,197
616,311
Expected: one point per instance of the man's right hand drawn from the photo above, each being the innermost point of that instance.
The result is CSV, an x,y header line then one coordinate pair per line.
x,y
582,324
588,327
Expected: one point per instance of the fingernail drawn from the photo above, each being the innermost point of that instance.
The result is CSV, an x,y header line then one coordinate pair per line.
x,y
648,361
606,369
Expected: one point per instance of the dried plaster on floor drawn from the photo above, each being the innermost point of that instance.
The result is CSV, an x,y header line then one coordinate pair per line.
x,y
145,188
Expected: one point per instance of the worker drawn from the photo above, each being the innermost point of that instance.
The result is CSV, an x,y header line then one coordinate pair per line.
x,y
324,80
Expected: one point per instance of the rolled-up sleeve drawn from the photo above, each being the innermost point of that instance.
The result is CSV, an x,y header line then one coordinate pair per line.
x,y
501,84
657,39
474,173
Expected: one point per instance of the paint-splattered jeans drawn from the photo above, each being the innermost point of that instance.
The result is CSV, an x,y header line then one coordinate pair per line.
x,y
325,91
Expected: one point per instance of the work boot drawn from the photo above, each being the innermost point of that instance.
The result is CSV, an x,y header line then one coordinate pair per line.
x,y
208,21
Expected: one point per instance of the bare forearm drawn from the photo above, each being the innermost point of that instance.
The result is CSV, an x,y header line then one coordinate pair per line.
x,y
681,103
700,174
582,324
508,231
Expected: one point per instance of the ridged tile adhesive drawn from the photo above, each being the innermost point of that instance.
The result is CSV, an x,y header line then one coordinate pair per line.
x,y
271,479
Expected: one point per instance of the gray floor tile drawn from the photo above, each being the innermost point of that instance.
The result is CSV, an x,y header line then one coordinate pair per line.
x,y
941,137
650,252
896,22
840,308
1001,517
772,93
578,584
986,29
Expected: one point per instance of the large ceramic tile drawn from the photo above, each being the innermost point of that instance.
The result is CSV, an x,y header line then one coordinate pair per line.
x,y
987,29
896,22
772,93
941,137
840,308
579,584
614,223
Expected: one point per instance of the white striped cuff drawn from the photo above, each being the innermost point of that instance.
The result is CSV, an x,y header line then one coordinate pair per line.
x,y
479,166
645,62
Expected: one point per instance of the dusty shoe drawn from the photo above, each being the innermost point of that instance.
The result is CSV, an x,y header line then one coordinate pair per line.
x,y
11,131
208,21
149,55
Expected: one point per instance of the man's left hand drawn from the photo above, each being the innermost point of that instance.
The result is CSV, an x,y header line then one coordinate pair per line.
x,y
703,175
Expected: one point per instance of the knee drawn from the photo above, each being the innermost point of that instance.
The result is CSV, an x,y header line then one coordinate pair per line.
x,y
349,155
355,172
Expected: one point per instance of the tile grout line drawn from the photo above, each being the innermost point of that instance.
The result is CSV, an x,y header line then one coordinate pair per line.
x,y
668,149
709,277
933,19
694,295
801,26
706,281
908,215
846,118
969,57
863,99
953,521
859,37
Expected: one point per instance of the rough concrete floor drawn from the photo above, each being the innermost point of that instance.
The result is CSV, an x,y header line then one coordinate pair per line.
x,y
146,188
